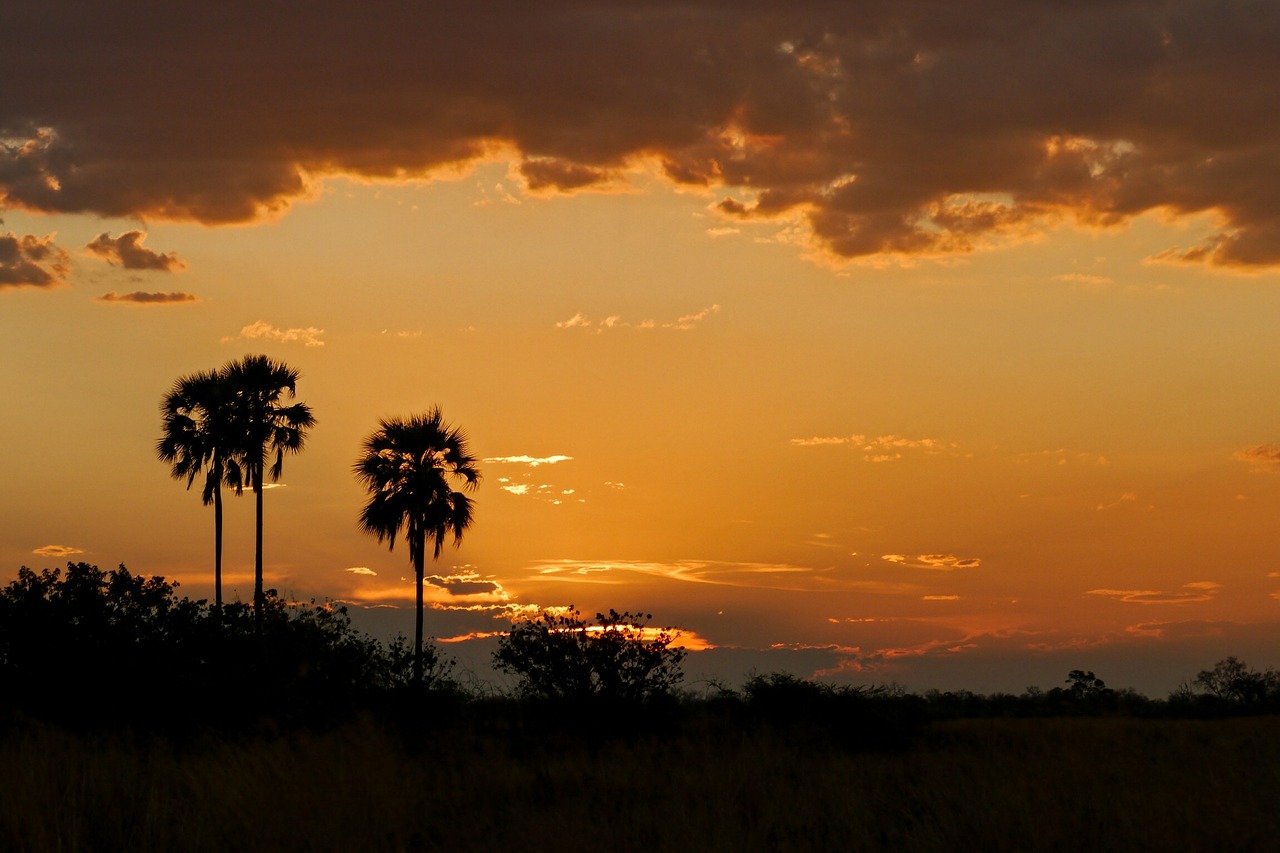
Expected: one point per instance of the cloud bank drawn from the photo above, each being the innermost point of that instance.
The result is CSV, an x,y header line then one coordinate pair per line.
x,y
885,127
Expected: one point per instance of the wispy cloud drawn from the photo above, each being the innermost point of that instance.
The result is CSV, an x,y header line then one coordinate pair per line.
x,y
1263,457
310,336
531,461
1126,498
361,570
935,562
778,576
31,261
685,323
1189,593
139,297
884,448
57,551
128,252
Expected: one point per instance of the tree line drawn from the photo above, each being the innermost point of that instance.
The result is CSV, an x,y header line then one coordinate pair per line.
x,y
85,644
225,425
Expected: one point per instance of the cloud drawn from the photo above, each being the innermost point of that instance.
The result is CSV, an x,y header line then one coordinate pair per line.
x,y
1127,497
309,336
936,562
1189,593
777,576
57,551
127,251
880,128
464,584
139,297
884,448
531,461
686,323
547,173
1263,457
31,261
361,570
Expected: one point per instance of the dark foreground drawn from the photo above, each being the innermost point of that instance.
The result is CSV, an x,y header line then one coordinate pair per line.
x,y
1069,784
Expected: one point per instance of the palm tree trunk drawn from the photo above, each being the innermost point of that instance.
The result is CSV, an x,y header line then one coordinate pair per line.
x,y
217,556
419,565
258,598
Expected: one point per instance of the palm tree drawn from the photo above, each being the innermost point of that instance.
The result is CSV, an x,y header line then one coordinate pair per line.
x,y
263,425
197,438
410,467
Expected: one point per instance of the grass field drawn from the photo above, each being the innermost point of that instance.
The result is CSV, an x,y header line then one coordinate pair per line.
x,y
1109,783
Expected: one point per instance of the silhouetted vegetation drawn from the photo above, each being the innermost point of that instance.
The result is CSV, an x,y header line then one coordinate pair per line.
x,y
563,656
225,424
409,467
129,721
93,646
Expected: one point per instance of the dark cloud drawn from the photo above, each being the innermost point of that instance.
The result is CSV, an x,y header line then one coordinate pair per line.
x,y
31,261
139,297
127,251
889,126
464,585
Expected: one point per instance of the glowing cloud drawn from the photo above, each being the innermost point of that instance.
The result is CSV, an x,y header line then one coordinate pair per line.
x,y
884,448
531,461
309,336
686,323
361,570
57,551
1263,457
936,562
1190,593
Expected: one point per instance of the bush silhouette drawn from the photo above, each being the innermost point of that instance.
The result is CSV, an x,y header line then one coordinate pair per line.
x,y
617,657
91,644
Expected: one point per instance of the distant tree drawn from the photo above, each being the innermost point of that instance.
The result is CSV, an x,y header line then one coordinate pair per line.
x,y
410,467
1085,685
264,426
617,656
1232,681
197,438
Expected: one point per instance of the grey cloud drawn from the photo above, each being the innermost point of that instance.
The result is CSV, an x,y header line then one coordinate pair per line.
x,y
888,126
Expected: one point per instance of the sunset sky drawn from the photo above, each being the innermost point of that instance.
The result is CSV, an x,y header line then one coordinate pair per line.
x,y
920,341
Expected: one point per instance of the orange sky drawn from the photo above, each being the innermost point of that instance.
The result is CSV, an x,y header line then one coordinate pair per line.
x,y
878,340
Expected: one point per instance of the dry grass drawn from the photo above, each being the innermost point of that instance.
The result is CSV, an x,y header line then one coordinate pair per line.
x,y
985,785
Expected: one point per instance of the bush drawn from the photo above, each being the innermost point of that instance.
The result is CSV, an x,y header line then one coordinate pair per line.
x,y
617,657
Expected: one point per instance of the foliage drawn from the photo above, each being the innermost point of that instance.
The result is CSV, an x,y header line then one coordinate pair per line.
x,y
263,425
197,437
410,467
114,645
224,423
1233,682
563,656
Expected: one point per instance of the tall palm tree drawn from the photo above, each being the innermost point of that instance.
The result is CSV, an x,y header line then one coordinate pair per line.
x,y
410,467
197,438
264,425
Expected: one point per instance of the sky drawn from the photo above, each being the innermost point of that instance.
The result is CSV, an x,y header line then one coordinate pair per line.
x,y
919,342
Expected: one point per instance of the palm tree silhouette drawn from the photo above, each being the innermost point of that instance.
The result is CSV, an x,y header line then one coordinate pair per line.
x,y
262,425
197,437
409,467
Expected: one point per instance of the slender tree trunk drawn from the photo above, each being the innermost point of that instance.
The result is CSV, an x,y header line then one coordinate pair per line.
x,y
419,565
258,598
217,556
